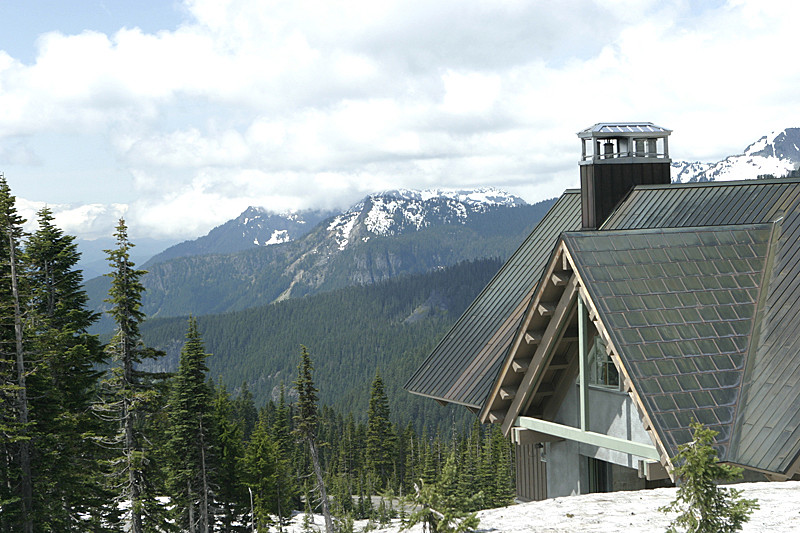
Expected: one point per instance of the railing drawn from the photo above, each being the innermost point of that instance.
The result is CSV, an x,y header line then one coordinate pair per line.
x,y
629,153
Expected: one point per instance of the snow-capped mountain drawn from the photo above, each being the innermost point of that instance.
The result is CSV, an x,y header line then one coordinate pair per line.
x,y
254,227
776,154
384,235
395,212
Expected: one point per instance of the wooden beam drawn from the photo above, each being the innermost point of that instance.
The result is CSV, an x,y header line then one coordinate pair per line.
x,y
496,417
558,364
647,451
560,279
566,382
508,392
545,389
543,352
533,337
520,366
528,436
546,309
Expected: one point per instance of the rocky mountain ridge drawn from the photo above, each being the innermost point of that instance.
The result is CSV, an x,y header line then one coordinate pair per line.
x,y
383,236
774,155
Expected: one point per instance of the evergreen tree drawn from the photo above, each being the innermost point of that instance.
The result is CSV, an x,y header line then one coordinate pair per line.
x,y
63,385
263,473
229,457
189,435
380,437
15,421
704,507
306,421
130,392
246,411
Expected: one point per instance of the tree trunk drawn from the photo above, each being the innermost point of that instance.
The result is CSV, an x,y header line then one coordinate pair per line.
x,y
22,395
191,505
326,512
204,509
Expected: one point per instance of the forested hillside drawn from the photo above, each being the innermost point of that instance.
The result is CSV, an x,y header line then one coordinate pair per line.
x,y
351,333
93,437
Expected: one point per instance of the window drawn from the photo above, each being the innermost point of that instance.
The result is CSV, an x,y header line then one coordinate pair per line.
x,y
601,369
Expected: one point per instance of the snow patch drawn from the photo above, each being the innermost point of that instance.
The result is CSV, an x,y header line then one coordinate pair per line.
x,y
278,236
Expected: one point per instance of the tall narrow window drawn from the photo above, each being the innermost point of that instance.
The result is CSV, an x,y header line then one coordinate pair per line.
x,y
602,371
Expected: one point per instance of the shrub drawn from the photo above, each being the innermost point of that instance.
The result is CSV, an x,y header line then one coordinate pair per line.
x,y
705,507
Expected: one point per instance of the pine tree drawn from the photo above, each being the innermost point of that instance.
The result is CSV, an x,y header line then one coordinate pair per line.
x,y
306,421
380,437
189,435
129,391
703,506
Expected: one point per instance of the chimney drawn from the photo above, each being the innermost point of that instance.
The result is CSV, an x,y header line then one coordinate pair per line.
x,y
615,157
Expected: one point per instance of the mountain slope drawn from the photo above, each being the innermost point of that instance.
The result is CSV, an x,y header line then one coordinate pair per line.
x,y
350,333
776,154
383,236
254,227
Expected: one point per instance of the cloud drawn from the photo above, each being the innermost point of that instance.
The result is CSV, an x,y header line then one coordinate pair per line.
x,y
316,103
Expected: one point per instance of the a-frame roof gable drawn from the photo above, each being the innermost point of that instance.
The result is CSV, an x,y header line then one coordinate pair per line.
x,y
680,306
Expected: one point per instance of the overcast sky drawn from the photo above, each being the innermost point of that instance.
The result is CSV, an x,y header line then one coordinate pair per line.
x,y
179,115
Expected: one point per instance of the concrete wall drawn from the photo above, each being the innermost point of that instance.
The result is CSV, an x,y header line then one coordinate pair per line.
x,y
611,413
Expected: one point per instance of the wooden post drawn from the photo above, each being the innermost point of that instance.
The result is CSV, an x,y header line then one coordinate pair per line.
x,y
583,334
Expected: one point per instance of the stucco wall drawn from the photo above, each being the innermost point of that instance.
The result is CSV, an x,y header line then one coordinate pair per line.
x,y
611,413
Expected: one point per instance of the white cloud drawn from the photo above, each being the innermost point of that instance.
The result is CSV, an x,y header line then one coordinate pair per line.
x,y
304,103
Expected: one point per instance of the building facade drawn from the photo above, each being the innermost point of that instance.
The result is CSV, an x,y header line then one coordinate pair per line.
x,y
633,308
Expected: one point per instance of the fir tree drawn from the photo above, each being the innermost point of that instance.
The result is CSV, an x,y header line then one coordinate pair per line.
x,y
261,464
189,435
306,421
380,437
15,422
64,384
703,506
229,456
129,392
246,411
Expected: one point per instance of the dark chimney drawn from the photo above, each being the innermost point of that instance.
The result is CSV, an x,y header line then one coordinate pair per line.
x,y
615,157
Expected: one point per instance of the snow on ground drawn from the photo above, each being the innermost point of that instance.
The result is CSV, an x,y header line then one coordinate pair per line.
x,y
618,512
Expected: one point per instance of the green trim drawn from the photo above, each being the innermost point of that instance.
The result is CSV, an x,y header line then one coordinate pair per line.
x,y
646,451
583,333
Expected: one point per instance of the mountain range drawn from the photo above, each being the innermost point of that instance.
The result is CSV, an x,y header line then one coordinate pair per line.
x,y
774,155
372,287
385,235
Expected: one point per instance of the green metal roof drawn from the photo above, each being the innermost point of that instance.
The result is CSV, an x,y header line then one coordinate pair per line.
x,y
463,367
708,313
679,305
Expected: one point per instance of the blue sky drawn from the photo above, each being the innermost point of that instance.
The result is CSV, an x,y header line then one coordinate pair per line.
x,y
179,115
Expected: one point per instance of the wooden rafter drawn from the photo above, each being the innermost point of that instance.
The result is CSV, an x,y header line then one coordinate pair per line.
x,y
529,384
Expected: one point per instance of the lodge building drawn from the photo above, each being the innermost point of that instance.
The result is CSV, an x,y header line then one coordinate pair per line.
x,y
634,307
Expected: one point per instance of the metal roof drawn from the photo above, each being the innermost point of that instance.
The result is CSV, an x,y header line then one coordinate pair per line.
x,y
745,381
679,305
464,366
626,129
704,204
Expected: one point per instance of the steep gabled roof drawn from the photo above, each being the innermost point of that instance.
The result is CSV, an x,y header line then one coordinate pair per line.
x,y
464,365
760,427
680,307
